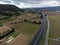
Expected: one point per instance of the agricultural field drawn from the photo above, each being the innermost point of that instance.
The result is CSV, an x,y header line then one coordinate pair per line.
x,y
52,42
54,34
22,39
24,26
55,26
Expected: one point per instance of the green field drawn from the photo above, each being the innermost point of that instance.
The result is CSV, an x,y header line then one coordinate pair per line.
x,y
26,27
54,26
51,42
54,29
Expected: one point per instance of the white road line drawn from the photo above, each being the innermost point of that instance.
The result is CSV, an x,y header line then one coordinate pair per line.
x,y
38,38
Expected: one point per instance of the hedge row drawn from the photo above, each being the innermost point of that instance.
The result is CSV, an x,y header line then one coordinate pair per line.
x,y
32,22
4,34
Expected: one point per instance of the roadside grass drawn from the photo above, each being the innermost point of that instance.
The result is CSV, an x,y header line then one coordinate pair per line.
x,y
54,26
26,27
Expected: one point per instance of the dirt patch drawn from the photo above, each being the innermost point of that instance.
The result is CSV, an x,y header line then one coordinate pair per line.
x,y
3,28
22,39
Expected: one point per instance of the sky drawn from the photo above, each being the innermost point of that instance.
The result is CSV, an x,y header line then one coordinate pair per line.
x,y
31,3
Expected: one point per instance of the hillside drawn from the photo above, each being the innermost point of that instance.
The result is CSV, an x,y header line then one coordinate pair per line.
x,y
7,7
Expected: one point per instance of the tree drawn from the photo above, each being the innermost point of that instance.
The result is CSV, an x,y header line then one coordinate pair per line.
x,y
25,20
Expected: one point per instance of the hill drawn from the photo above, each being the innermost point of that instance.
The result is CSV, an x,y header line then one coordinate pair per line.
x,y
7,7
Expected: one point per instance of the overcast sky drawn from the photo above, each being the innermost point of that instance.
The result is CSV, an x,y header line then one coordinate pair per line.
x,y
31,3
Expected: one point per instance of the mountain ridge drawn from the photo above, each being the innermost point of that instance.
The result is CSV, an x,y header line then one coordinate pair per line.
x,y
55,8
9,7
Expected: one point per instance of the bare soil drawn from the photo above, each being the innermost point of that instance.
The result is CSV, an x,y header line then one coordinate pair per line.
x,y
22,39
3,28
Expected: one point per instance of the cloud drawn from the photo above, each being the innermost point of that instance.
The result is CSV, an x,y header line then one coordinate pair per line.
x,y
6,2
31,3
49,3
41,4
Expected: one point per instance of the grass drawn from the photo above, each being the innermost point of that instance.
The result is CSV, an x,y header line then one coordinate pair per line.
x,y
26,27
51,42
8,19
14,34
1,17
54,18
54,26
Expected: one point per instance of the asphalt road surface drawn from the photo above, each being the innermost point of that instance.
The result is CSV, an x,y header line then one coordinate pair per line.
x,y
47,33
39,34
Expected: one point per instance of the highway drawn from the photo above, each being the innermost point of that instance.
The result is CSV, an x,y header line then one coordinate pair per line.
x,y
47,33
39,34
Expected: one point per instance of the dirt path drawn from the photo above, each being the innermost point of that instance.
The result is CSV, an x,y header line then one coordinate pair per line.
x,y
54,39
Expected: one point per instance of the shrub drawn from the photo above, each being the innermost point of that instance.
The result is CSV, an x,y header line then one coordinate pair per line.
x,y
25,20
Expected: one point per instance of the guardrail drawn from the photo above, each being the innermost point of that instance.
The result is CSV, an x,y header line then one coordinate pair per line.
x,y
39,34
